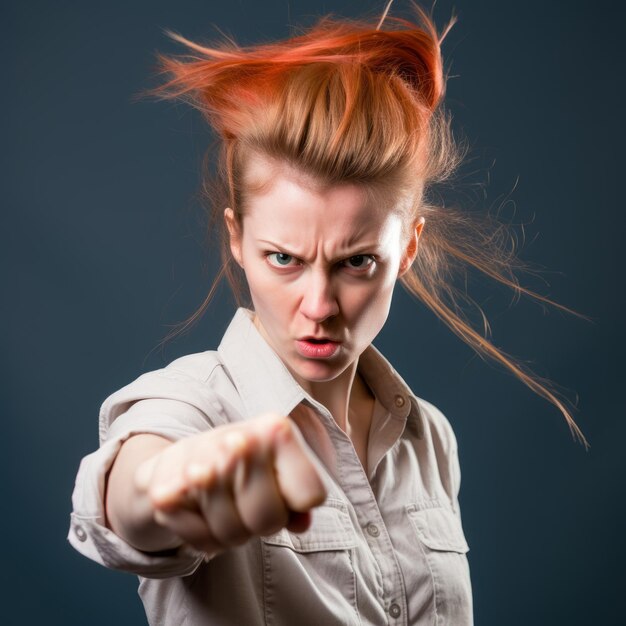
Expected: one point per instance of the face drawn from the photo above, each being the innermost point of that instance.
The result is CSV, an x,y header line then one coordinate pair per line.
x,y
318,264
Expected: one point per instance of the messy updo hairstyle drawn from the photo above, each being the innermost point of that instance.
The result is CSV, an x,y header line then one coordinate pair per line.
x,y
349,101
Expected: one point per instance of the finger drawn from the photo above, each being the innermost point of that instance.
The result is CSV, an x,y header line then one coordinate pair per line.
x,y
215,488
217,501
258,499
175,474
201,473
190,526
298,479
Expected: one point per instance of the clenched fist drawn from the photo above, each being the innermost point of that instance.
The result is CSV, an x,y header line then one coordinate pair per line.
x,y
219,488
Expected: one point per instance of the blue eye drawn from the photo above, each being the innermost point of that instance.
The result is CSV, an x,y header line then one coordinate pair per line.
x,y
281,258
361,261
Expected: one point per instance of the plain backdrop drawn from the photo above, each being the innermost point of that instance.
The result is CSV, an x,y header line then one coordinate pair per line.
x,y
103,251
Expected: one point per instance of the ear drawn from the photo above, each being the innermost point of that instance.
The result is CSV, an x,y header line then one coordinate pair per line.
x,y
410,251
235,234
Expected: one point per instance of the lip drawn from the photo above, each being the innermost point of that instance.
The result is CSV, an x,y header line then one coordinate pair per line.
x,y
313,350
322,338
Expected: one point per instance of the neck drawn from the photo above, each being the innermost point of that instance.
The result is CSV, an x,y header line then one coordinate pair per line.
x,y
340,396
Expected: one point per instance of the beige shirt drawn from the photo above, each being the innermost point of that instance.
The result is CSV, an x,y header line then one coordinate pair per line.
x,y
386,547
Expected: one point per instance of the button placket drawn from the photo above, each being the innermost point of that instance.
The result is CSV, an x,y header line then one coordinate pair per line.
x,y
373,525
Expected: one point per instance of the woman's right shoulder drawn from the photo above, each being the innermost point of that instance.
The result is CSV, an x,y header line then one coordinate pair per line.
x,y
198,380
200,366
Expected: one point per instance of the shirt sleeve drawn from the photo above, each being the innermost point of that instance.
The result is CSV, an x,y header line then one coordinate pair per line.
x,y
454,467
88,534
447,450
455,474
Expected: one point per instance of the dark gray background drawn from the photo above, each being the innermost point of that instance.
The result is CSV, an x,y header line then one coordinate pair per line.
x,y
101,251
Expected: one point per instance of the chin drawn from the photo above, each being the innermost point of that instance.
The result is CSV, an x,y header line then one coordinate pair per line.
x,y
316,370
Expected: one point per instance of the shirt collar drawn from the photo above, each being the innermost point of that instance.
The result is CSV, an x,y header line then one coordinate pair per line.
x,y
265,384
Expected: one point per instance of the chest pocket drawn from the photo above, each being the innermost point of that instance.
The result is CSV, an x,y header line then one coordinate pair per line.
x,y
308,577
442,541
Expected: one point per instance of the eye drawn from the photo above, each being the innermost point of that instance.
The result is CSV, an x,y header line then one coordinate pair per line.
x,y
282,259
360,262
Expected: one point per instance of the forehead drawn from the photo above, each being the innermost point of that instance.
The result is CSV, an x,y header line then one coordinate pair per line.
x,y
283,199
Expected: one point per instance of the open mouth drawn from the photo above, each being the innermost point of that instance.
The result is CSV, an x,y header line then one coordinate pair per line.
x,y
317,348
318,340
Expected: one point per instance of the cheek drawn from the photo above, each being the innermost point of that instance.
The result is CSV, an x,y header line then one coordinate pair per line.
x,y
262,292
271,302
370,306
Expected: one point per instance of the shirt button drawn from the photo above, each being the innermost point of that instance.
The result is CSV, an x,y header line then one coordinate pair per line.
x,y
394,610
372,529
400,401
80,533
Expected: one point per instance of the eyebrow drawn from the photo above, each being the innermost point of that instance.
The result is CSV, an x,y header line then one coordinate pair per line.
x,y
362,249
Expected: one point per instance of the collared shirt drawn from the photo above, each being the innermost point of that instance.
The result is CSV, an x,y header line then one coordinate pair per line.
x,y
386,547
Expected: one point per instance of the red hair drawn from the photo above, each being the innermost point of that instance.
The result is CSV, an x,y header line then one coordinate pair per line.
x,y
349,102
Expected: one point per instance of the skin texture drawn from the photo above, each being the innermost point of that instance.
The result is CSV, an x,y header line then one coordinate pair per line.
x,y
317,263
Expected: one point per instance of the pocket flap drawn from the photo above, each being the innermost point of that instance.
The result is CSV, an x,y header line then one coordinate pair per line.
x,y
330,529
438,527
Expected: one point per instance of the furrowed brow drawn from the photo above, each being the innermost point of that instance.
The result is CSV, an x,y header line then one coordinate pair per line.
x,y
361,249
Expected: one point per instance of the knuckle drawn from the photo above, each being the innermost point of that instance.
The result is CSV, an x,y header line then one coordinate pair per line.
x,y
198,473
166,493
235,440
280,428
231,441
270,415
272,419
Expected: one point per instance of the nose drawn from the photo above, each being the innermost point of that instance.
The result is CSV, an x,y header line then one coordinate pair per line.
x,y
319,302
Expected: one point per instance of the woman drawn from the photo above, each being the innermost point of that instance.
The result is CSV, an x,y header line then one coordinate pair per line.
x,y
291,475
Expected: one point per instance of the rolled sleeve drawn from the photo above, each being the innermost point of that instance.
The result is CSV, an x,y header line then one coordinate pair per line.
x,y
88,533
